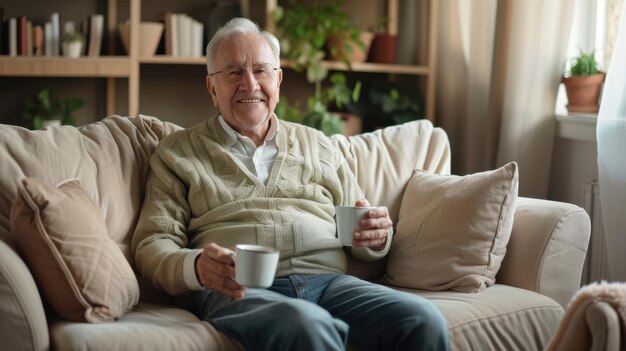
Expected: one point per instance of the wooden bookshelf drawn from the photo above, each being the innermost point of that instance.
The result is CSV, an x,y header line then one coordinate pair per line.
x,y
113,67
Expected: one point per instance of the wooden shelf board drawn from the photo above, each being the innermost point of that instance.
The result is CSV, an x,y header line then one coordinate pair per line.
x,y
332,65
107,66
376,68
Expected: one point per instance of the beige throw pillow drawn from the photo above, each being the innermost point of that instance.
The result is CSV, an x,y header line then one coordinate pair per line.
x,y
452,231
62,235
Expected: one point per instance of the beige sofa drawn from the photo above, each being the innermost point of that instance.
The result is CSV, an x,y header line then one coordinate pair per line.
x,y
540,272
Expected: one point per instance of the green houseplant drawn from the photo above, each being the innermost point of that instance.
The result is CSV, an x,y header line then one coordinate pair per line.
x,y
304,31
583,82
48,109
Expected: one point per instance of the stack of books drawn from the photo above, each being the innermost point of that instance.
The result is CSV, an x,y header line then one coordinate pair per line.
x,y
184,36
20,36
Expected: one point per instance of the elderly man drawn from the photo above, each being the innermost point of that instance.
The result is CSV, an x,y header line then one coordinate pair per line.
x,y
246,177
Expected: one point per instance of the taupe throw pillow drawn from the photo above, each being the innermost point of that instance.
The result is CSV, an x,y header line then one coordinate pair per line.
x,y
452,231
62,235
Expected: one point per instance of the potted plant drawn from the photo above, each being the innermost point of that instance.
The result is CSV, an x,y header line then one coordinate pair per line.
x,y
384,47
583,83
46,109
304,33
72,44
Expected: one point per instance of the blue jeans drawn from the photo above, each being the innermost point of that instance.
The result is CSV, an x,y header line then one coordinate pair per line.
x,y
325,312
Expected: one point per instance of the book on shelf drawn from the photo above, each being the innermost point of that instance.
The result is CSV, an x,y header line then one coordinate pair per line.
x,y
48,42
29,39
21,36
184,36
55,36
96,25
38,40
13,37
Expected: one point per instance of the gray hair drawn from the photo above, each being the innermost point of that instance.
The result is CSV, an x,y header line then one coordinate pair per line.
x,y
234,26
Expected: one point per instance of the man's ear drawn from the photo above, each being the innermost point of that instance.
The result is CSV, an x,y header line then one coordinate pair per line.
x,y
278,82
211,89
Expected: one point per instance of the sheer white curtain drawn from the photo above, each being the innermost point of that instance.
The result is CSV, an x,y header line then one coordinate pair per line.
x,y
498,75
611,135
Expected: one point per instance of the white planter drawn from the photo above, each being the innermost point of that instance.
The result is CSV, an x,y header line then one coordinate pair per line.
x,y
72,49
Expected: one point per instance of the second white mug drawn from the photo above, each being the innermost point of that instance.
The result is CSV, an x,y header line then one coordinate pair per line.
x,y
348,218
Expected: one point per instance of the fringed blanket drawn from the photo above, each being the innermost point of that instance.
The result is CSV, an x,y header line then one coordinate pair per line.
x,y
612,293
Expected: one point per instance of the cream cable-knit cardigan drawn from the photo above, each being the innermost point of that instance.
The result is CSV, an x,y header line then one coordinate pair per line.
x,y
198,193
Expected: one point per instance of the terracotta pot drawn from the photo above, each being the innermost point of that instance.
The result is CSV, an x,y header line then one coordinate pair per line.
x,y
583,92
357,55
149,37
384,49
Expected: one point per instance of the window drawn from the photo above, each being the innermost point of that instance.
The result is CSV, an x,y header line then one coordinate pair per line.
x,y
594,28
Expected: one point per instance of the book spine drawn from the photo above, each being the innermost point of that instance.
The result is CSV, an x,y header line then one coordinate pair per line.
x,y
38,40
96,25
29,38
55,19
21,36
48,42
198,39
12,37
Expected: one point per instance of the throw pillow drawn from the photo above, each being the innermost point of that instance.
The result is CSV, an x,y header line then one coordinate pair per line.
x,y
452,231
79,270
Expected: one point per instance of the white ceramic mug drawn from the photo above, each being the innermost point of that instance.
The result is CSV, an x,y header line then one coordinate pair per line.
x,y
255,265
348,218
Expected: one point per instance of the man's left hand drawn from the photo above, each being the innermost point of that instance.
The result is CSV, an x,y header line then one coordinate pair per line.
x,y
374,227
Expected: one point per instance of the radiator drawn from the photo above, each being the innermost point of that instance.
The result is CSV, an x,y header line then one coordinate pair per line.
x,y
596,263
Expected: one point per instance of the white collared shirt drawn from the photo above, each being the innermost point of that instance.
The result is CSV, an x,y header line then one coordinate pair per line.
x,y
258,160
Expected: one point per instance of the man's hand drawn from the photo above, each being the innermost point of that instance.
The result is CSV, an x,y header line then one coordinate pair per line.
x,y
215,269
374,227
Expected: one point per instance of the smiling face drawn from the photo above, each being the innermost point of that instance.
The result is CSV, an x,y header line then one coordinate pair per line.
x,y
246,103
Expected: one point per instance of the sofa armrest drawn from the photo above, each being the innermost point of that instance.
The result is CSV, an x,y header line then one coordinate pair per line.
x,y
547,248
23,323
592,325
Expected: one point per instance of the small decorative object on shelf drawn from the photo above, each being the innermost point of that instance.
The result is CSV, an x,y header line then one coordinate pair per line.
x,y
72,44
47,109
384,47
583,83
149,37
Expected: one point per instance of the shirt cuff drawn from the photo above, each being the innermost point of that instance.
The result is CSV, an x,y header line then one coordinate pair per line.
x,y
189,271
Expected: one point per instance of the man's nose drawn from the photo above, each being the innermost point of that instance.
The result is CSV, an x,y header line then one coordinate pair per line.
x,y
248,80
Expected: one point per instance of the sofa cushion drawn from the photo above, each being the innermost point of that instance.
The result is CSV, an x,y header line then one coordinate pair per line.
x,y
499,317
149,327
80,270
452,231
383,162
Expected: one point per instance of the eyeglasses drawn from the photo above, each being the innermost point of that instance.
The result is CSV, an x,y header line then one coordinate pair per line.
x,y
235,73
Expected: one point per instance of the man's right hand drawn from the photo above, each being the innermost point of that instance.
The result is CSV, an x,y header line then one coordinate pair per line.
x,y
215,269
